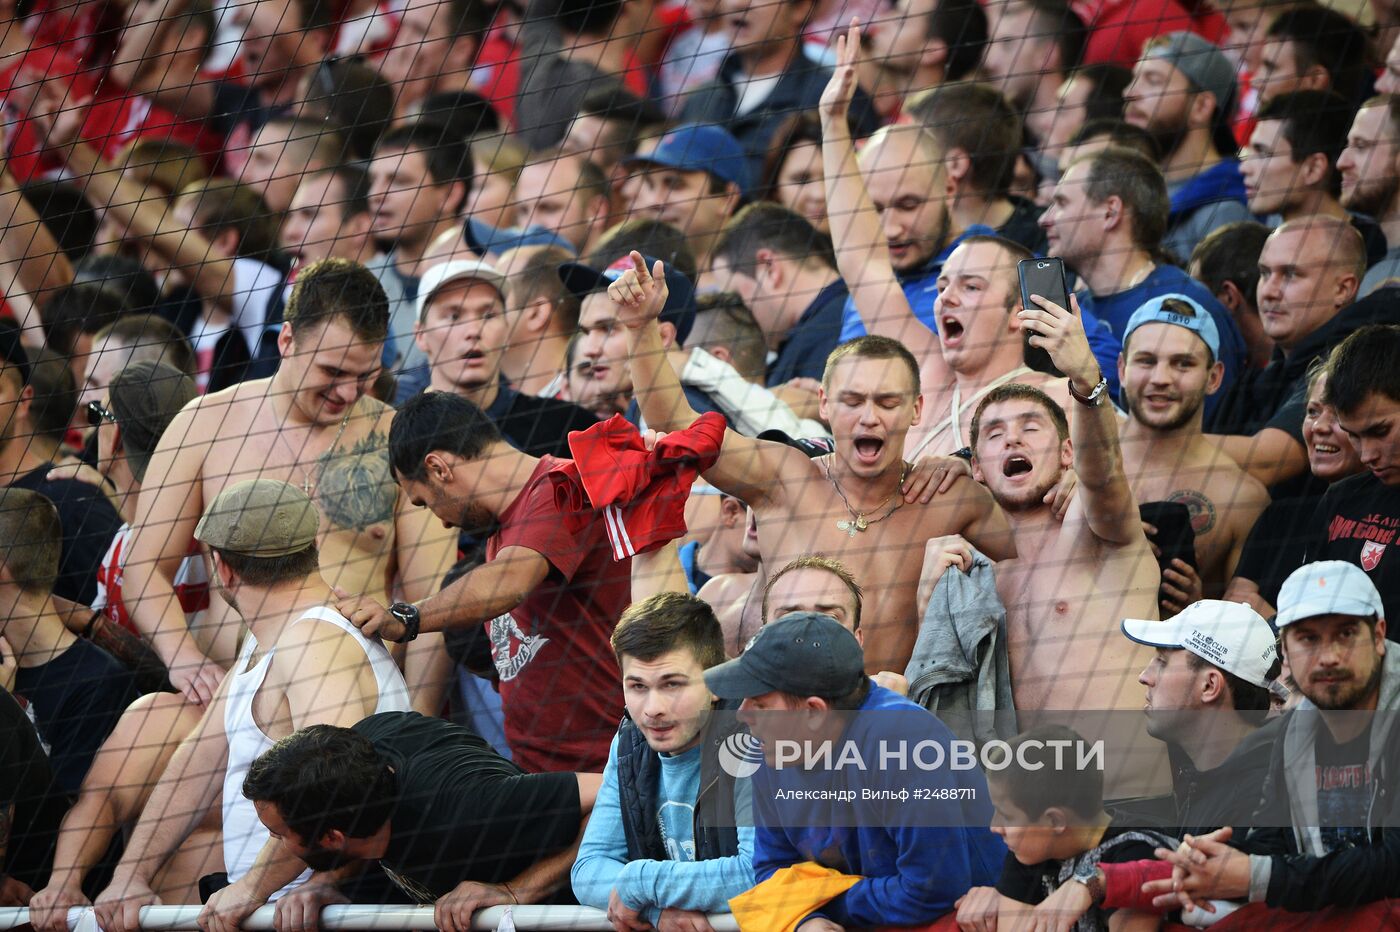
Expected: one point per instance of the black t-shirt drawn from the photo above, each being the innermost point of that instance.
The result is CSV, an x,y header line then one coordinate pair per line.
x,y
1278,543
1032,883
89,523
463,811
77,698
1358,520
538,426
26,782
1344,788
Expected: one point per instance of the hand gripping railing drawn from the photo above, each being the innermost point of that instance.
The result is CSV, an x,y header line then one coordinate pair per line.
x,y
365,919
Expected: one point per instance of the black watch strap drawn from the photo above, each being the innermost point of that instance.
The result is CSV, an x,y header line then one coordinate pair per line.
x,y
406,613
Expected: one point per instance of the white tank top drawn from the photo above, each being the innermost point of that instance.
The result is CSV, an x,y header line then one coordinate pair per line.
x,y
244,833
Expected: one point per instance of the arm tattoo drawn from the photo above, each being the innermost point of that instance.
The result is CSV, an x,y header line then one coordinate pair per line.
x,y
355,489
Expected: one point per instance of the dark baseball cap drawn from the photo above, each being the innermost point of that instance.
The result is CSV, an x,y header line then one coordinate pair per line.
x,y
679,311
804,653
702,147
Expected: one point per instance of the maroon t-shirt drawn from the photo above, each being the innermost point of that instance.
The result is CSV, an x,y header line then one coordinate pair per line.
x,y
560,685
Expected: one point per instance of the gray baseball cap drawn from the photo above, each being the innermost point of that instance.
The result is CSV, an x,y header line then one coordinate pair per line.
x,y
804,653
1203,63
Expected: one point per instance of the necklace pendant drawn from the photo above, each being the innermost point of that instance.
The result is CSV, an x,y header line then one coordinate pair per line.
x,y
848,526
861,522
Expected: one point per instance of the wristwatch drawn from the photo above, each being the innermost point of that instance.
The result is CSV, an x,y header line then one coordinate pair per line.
x,y
1091,399
1092,879
406,614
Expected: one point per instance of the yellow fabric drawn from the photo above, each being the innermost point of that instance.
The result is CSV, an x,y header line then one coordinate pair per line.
x,y
785,899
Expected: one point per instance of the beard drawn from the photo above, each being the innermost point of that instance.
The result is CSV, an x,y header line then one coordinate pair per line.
x,y
1374,200
1185,413
1168,134
1339,696
1026,499
324,859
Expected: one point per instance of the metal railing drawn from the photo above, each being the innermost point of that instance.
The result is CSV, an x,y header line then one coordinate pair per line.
x,y
365,919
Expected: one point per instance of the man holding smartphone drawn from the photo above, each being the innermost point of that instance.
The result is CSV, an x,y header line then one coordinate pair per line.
x,y
1084,572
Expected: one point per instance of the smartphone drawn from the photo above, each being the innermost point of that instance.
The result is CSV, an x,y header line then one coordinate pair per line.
x,y
1175,537
1045,277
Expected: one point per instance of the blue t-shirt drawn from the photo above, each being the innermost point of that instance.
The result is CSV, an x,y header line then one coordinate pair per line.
x,y
1115,310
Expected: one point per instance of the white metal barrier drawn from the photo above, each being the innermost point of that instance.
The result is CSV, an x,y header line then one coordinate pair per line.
x,y
366,919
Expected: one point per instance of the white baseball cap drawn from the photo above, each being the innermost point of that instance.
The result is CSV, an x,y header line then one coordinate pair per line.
x,y
1330,587
1228,635
458,269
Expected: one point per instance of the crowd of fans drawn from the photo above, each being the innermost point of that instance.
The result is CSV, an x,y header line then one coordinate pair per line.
x,y
435,434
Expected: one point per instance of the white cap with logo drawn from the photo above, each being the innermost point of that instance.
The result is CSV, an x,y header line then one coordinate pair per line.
x,y
1329,587
1229,635
445,273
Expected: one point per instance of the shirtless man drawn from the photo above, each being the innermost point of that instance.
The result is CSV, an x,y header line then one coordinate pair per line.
x,y
301,664
978,345
846,505
1170,363
311,425
1082,574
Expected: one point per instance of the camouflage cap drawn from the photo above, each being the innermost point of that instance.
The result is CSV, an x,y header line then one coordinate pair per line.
x,y
259,518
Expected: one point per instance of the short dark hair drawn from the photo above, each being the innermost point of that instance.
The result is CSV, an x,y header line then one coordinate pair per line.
x,y
33,539
826,565
1231,254
1138,183
222,204
463,113
539,278
669,621
587,17
874,347
723,319
1365,363
961,25
448,156
55,394
65,212
74,310
1120,134
1019,391
144,409
1038,784
1313,122
766,225
121,275
976,119
262,572
338,289
357,98
437,422
323,778
1108,82
1244,696
1321,36
649,237
354,187
1056,19
152,338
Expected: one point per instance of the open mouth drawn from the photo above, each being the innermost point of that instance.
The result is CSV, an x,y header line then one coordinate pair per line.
x,y
473,356
1326,449
1016,466
868,448
952,329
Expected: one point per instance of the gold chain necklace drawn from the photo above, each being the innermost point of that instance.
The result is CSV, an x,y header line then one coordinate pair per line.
x,y
858,521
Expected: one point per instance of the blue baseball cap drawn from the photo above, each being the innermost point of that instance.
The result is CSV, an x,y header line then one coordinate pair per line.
x,y
482,238
1181,311
702,147
583,280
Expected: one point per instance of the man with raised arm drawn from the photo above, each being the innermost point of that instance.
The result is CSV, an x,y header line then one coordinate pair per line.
x,y
312,425
848,505
1086,571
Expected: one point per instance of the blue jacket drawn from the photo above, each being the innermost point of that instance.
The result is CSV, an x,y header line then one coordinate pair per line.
x,y
1116,310
916,856
921,291
1204,203
803,354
